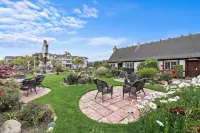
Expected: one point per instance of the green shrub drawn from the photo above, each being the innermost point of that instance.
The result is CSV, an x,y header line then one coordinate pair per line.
x,y
114,72
179,70
77,78
72,78
101,71
150,63
33,113
37,70
147,73
167,76
11,95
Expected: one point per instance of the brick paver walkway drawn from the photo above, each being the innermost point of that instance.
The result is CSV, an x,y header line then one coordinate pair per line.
x,y
116,110
32,95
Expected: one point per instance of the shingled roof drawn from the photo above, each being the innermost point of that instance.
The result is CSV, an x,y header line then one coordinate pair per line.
x,y
181,47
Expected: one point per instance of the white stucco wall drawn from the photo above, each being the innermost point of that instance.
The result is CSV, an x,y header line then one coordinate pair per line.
x,y
182,62
135,65
159,64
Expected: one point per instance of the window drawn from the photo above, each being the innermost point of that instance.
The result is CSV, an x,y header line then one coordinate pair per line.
x,y
129,64
112,64
170,65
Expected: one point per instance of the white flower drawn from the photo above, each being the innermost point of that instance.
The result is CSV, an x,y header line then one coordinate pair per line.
x,y
140,106
172,99
153,105
160,123
139,100
173,87
147,97
177,97
167,88
145,102
184,85
163,101
170,92
176,82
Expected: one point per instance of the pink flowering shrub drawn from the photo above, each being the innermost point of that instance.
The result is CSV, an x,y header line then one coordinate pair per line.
x,y
6,71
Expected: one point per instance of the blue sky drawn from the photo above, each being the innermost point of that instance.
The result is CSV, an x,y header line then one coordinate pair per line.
x,y
91,27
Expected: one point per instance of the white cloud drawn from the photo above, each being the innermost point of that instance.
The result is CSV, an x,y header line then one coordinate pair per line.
x,y
37,20
28,3
86,12
78,11
73,22
95,2
72,32
107,41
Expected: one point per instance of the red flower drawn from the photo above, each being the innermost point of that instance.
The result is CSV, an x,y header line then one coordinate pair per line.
x,y
1,94
162,65
172,110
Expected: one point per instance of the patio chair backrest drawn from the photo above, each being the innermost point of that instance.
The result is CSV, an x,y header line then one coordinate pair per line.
x,y
32,82
132,77
25,82
99,84
40,78
137,85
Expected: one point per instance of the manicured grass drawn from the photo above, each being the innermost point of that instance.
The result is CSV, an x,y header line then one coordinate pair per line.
x,y
156,88
65,100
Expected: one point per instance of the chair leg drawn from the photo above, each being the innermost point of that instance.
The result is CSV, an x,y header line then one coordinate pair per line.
x,y
35,90
96,95
129,93
111,95
143,92
102,97
27,93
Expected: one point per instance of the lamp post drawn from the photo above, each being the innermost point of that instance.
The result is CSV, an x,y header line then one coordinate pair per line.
x,y
45,52
36,55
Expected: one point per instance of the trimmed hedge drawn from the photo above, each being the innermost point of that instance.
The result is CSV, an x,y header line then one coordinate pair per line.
x,y
147,73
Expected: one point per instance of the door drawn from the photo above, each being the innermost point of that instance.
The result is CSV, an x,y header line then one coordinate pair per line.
x,y
119,65
192,68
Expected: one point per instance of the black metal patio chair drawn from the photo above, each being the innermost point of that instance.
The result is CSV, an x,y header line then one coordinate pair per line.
x,y
144,80
28,85
103,87
130,79
133,88
39,80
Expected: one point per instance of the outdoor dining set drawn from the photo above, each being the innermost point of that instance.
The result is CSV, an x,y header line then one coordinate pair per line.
x,y
132,85
27,84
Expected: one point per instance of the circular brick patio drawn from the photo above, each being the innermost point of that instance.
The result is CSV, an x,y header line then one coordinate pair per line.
x,y
114,111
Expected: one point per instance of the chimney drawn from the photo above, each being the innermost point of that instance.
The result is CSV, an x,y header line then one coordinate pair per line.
x,y
114,49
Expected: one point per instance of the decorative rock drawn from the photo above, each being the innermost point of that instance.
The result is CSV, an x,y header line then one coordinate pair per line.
x,y
50,129
55,118
52,116
11,126
198,77
52,124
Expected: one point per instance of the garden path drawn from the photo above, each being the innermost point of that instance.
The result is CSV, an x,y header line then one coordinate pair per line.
x,y
32,95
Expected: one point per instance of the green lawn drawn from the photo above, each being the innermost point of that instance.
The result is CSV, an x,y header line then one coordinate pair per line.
x,y
65,100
